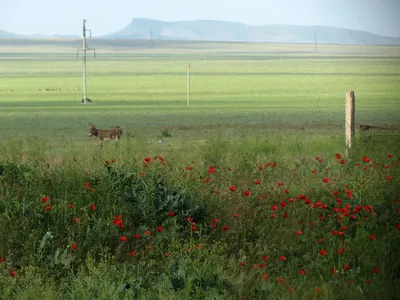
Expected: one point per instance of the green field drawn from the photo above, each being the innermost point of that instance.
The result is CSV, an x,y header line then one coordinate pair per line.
x,y
250,105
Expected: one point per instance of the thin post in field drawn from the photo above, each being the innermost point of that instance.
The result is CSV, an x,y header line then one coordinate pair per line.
x,y
350,119
188,86
84,50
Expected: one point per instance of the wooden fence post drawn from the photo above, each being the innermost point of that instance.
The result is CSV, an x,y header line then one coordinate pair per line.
x,y
350,116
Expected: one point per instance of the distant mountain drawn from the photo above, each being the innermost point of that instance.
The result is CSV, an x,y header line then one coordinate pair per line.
x,y
211,30
7,35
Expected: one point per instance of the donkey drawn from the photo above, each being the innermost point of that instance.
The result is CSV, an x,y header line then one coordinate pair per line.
x,y
111,134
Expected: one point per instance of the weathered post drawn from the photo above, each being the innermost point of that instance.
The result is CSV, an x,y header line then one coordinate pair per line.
x,y
350,119
188,86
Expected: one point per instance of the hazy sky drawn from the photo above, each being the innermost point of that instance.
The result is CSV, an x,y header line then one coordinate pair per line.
x,y
65,17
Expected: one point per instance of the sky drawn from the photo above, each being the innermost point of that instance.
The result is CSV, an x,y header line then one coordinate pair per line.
x,y
65,17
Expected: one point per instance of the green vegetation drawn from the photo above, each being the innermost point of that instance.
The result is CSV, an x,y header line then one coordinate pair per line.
x,y
277,212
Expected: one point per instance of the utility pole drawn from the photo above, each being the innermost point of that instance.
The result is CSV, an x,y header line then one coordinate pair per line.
x,y
85,49
151,38
188,86
315,40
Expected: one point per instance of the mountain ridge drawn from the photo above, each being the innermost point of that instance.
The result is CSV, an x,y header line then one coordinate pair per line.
x,y
226,31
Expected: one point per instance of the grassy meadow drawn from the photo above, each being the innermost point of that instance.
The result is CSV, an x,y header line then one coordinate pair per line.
x,y
249,195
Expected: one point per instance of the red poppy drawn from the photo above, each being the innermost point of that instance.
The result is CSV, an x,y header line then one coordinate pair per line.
x,y
341,250
45,199
123,238
262,265
235,215
282,258
281,280
211,169
147,159
246,193
322,252
346,267
70,206
257,181
147,233
159,229
74,247
338,156
366,159
242,263
92,207
377,270
318,290
342,162
397,226
265,257
76,220
274,207
47,207
299,232
137,236
132,253
171,214
225,227
388,177
302,272
313,171
372,237
326,180
12,273
319,241
333,270
272,216
232,188
264,276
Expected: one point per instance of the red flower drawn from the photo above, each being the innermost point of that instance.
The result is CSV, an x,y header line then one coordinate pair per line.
x,y
397,226
265,257
132,253
235,215
225,227
322,252
318,290
282,258
87,184
291,289
283,203
137,236
388,177
232,188
346,267
147,159
272,216
366,159
1,259
302,272
123,238
262,265
372,237
242,263
76,220
70,206
274,207
341,250
257,181
92,207
333,271
12,273
338,156
319,241
211,169
171,214
45,199
74,247
159,229
214,220
342,161
264,276
377,270
280,183
147,233
246,193
299,232
313,171
281,280
326,180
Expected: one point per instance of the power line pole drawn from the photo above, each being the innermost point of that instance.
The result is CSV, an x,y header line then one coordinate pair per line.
x,y
315,40
85,49
151,38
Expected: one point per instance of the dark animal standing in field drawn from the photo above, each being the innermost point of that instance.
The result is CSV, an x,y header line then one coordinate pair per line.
x,y
87,100
111,134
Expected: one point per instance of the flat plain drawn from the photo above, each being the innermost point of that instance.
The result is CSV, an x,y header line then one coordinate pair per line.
x,y
251,106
